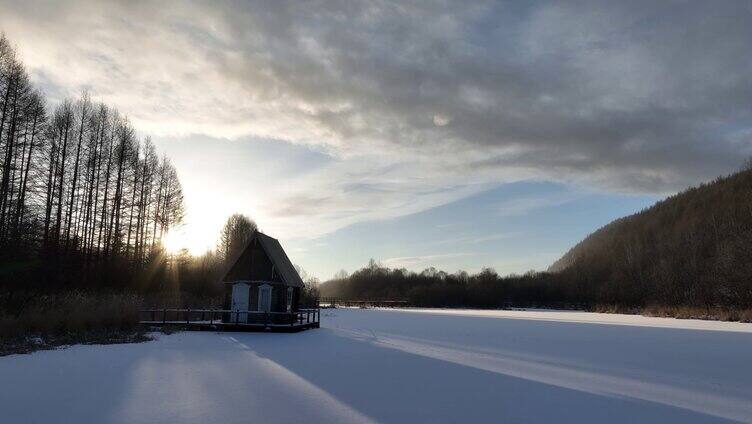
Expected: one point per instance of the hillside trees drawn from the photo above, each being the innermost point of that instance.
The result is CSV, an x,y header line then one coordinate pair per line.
x,y
692,249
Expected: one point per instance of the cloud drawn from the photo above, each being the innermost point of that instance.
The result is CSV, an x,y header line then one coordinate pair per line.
x,y
413,261
628,96
477,239
441,120
521,206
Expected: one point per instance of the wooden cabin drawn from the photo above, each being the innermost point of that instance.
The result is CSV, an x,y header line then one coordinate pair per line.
x,y
261,284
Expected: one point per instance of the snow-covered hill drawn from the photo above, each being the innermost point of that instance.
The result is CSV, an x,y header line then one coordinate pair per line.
x,y
400,366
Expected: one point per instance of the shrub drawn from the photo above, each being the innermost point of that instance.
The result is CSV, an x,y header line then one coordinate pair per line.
x,y
65,318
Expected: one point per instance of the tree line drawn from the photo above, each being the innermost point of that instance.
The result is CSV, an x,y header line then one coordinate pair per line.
x,y
435,288
83,200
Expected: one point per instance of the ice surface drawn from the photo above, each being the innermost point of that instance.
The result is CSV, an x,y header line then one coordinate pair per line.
x,y
411,366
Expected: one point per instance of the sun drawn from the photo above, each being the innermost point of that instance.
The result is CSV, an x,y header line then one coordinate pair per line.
x,y
196,240
175,240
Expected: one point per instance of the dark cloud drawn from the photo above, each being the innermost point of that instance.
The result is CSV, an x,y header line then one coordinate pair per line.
x,y
648,94
416,104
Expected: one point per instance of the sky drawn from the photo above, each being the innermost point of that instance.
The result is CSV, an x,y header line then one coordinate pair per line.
x,y
417,133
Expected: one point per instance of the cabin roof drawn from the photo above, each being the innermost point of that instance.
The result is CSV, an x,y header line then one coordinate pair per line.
x,y
276,255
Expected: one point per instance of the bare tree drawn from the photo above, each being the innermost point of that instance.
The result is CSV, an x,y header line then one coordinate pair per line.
x,y
76,183
235,235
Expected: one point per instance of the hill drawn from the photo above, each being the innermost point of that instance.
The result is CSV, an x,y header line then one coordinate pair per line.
x,y
693,248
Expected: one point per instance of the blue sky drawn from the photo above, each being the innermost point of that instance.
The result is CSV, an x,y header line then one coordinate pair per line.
x,y
418,133
512,228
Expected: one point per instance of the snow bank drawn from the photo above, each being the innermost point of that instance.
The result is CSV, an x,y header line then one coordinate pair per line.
x,y
400,366
590,318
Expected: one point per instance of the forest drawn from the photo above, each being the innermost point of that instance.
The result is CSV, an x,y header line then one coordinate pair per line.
x,y
687,255
84,202
84,205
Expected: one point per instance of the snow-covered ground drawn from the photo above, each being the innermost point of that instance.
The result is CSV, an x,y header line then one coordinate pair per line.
x,y
414,366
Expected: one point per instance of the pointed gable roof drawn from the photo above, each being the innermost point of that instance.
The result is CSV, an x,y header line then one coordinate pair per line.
x,y
276,255
280,260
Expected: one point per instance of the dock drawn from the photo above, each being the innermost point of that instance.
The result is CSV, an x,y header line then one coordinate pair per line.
x,y
231,320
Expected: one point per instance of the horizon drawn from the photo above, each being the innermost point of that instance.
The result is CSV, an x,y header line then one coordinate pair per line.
x,y
500,136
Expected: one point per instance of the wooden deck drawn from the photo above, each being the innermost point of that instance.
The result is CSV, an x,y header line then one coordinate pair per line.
x,y
229,320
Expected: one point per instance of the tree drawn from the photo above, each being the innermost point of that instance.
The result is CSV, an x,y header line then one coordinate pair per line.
x,y
235,235
78,188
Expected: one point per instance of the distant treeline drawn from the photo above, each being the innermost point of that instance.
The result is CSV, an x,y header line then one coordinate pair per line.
x,y
83,201
692,250
433,288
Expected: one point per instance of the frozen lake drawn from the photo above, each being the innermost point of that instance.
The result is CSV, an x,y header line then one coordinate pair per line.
x,y
395,366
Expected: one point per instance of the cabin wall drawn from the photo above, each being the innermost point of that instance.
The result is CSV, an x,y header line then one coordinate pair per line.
x,y
261,266
241,269
279,301
253,265
227,294
279,297
296,299
254,293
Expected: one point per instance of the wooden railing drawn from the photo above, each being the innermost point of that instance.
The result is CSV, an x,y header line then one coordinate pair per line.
x,y
228,316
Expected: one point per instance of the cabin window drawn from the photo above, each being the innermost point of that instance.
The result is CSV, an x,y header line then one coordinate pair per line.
x,y
289,299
